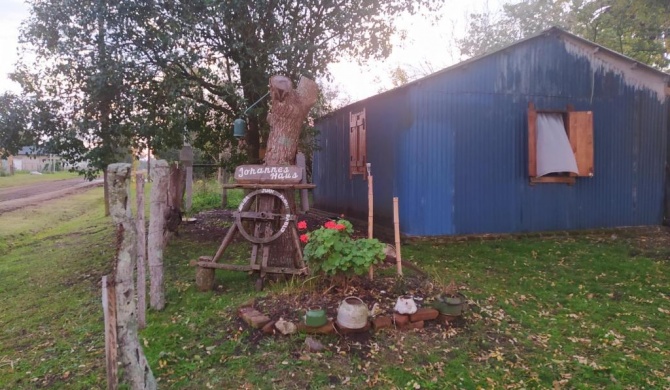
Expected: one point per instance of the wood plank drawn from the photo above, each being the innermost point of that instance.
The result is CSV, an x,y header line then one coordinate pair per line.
x,y
553,179
256,267
271,186
532,140
580,133
259,174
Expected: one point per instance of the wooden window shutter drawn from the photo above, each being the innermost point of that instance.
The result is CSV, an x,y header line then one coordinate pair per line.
x,y
532,140
353,144
580,133
362,152
357,144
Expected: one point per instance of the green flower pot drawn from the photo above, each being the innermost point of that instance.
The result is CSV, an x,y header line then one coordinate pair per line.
x,y
451,305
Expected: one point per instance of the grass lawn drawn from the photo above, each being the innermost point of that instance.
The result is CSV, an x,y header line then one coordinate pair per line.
x,y
24,178
563,312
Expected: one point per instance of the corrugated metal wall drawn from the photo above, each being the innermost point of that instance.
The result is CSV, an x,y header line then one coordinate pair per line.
x,y
453,147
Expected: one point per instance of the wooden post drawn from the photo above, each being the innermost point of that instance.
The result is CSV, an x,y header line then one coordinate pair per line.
x,y
137,372
156,239
225,177
109,312
304,194
141,254
370,218
186,157
396,226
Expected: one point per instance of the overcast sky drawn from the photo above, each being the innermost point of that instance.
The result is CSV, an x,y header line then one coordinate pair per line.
x,y
427,47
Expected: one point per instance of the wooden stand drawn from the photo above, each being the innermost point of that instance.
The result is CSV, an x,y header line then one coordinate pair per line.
x,y
266,227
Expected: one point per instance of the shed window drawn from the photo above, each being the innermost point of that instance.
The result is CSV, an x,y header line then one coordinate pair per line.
x,y
357,144
560,145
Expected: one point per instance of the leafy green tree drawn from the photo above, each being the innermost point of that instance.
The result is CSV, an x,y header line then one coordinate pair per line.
x,y
639,29
225,51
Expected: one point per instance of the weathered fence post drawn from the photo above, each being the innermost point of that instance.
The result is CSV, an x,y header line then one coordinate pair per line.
x,y
141,254
135,367
111,352
156,240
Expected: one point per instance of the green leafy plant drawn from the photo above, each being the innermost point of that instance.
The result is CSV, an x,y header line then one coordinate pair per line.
x,y
331,249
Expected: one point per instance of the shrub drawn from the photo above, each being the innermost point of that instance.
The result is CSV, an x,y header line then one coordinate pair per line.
x,y
331,250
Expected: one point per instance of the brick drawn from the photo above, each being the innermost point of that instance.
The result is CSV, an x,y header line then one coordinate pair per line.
x,y
424,314
445,319
382,322
400,319
412,325
325,329
342,330
258,321
269,328
249,303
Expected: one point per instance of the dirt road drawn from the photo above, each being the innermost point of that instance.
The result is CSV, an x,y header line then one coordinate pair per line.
x,y
18,197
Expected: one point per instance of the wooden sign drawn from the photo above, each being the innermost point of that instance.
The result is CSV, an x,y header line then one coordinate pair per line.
x,y
271,174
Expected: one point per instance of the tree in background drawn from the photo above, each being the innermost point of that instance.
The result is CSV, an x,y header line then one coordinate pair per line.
x,y
639,29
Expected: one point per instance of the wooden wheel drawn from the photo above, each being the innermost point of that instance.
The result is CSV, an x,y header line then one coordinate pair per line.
x,y
278,221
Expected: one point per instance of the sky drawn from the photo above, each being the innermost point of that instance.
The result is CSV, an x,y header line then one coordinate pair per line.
x,y
427,48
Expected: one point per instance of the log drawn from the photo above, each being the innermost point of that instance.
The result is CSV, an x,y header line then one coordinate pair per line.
x,y
136,369
156,239
141,253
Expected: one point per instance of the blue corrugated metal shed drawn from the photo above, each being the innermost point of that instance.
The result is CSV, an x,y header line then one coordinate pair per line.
x,y
453,146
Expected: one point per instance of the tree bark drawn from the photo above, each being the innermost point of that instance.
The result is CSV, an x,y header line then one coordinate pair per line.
x,y
135,366
141,254
289,110
286,117
156,241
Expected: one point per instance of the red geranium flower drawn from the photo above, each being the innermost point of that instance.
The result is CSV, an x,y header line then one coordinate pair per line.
x,y
330,225
339,227
304,238
302,225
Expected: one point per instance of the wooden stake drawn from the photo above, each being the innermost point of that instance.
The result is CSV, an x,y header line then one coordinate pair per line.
x,y
156,239
370,218
396,226
141,254
109,312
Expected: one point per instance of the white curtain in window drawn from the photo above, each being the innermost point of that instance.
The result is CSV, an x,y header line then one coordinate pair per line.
x,y
554,153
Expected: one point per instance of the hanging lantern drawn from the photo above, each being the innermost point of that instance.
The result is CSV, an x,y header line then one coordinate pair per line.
x,y
239,128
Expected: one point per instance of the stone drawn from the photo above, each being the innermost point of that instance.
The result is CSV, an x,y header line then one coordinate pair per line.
x,y
259,321
324,329
313,345
242,310
269,328
285,327
382,322
248,303
400,319
424,314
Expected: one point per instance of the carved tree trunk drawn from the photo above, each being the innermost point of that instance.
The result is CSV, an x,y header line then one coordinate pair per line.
x,y
135,366
286,117
289,110
156,241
